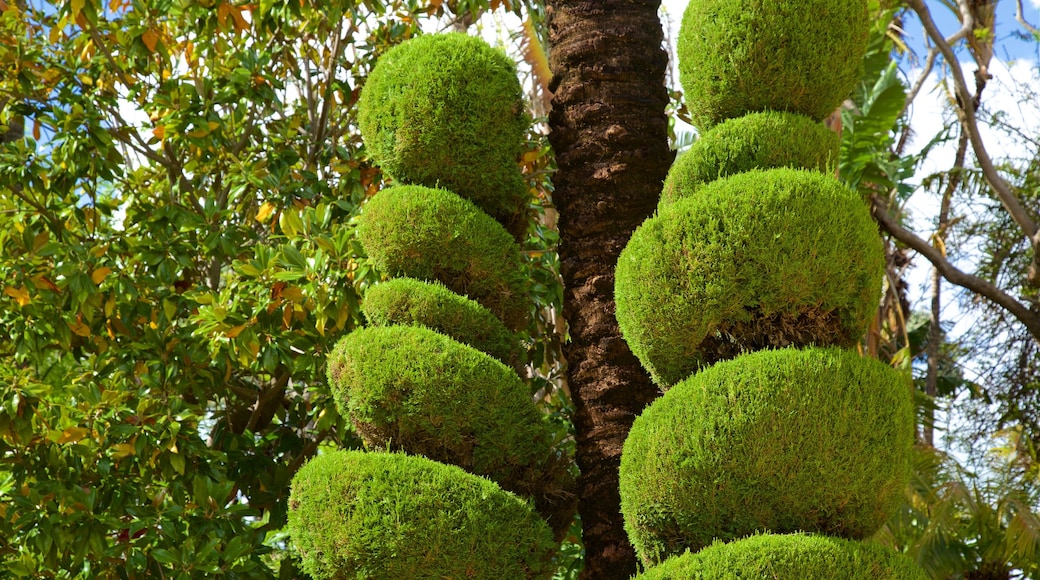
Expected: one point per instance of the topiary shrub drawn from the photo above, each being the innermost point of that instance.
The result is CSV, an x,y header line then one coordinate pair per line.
x,y
741,56
755,141
411,302
762,259
446,110
410,388
789,557
390,516
815,440
433,234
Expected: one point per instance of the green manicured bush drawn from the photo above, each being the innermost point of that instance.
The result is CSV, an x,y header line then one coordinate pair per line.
x,y
789,557
761,259
740,56
413,389
411,302
815,440
388,516
447,110
433,234
755,141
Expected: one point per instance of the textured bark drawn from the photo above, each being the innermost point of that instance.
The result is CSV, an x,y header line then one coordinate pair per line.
x,y
609,132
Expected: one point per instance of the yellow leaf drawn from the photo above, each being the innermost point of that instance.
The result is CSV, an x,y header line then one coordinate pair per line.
x,y
86,79
79,328
99,275
293,294
223,11
159,132
240,22
150,39
121,450
20,295
234,332
73,434
265,211
77,7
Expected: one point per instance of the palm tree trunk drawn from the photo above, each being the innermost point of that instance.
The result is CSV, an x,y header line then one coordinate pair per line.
x,y
610,134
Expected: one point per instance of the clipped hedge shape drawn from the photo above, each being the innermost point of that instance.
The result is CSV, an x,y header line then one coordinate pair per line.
x,y
433,234
740,56
390,516
761,259
815,440
413,389
763,140
447,110
411,302
789,557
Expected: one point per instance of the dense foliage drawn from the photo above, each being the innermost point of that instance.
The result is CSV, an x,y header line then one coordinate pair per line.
x,y
749,262
788,440
789,557
763,140
388,516
742,57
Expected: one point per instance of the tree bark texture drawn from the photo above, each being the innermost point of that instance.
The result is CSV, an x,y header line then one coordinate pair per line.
x,y
610,134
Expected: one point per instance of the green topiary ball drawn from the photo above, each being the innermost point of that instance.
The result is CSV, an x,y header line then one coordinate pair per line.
x,y
387,516
760,259
433,234
447,110
413,389
789,557
755,141
815,440
740,56
410,302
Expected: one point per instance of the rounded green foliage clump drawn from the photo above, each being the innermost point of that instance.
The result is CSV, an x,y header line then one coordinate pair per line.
x,y
447,110
740,56
760,259
755,141
789,557
389,516
815,440
433,234
411,302
413,389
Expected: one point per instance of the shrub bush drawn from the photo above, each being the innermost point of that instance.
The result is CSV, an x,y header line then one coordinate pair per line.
x,y
389,516
755,141
447,110
761,259
433,234
413,389
814,440
741,56
411,302
789,557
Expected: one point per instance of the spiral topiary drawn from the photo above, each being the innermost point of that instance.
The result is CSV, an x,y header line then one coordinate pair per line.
x,y
741,56
433,234
390,516
414,389
789,557
763,140
447,110
762,259
410,302
815,440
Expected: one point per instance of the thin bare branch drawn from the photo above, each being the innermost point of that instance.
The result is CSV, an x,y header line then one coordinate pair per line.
x,y
954,275
929,64
1022,20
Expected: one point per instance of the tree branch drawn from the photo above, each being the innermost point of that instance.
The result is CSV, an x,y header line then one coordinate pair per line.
x,y
1022,313
1021,20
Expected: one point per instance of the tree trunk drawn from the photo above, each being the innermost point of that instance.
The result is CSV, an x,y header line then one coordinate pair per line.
x,y
610,134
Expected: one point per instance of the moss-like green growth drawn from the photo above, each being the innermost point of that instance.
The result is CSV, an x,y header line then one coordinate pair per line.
x,y
387,516
760,259
815,440
410,388
740,56
789,557
755,141
447,110
433,234
411,302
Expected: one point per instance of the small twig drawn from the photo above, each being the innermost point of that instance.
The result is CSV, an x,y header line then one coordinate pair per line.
x,y
1021,20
